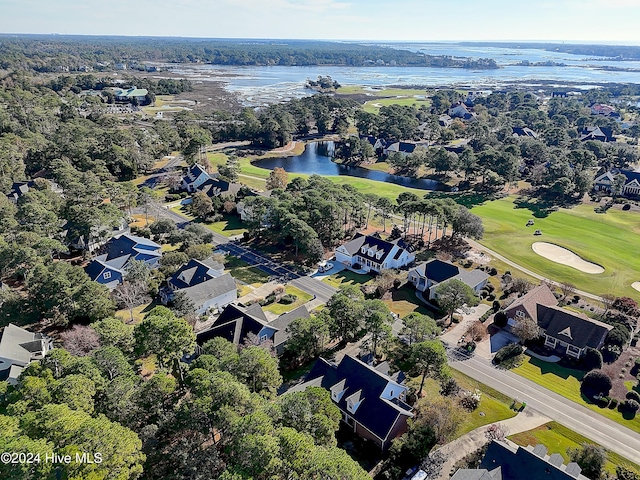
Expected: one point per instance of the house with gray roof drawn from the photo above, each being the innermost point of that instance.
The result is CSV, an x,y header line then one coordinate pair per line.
x,y
195,176
236,323
204,282
372,253
507,461
18,348
371,403
428,275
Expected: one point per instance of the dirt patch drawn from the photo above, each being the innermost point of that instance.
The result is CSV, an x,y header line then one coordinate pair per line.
x,y
561,255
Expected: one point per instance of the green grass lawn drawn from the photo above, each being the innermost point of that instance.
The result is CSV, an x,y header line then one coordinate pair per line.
x,y
347,277
558,439
566,382
280,308
373,106
229,226
493,404
241,270
380,166
404,301
180,210
138,313
604,239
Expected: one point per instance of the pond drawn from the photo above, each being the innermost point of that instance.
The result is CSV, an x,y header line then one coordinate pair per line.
x,y
317,159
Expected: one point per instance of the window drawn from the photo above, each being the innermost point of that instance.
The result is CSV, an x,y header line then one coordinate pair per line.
x,y
263,338
106,275
520,313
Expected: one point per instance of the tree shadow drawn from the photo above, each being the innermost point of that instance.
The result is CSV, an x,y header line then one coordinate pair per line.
x,y
542,205
555,369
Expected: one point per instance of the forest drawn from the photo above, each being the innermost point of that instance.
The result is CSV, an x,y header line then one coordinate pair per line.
x,y
52,53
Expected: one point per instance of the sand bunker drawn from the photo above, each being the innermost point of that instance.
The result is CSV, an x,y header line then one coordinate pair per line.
x,y
565,257
636,285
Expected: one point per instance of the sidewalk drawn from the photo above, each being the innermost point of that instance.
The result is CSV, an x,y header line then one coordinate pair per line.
x,y
470,442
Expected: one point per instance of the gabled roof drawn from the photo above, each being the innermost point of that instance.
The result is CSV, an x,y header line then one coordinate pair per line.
x,y
472,278
213,288
375,413
541,295
283,321
437,270
235,323
194,272
19,345
128,244
193,172
597,133
519,463
631,175
375,244
214,187
524,132
402,147
574,328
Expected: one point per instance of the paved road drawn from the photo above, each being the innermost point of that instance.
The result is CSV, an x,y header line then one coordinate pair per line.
x,y
479,246
607,433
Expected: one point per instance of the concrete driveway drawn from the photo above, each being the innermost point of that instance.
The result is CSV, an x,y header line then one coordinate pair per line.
x,y
469,315
337,267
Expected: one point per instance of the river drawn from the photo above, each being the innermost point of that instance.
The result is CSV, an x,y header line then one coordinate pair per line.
x,y
316,158
262,85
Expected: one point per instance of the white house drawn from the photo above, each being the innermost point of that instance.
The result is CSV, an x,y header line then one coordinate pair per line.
x,y
631,186
196,175
428,275
373,253
460,110
18,348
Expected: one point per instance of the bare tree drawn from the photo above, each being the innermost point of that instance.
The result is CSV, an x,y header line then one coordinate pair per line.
x,y
129,295
520,285
526,328
567,289
607,301
496,431
476,331
80,340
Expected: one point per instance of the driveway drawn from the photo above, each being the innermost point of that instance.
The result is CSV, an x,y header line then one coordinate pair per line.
x,y
469,315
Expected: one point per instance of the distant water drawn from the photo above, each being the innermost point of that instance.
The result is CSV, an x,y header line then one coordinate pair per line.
x,y
258,86
317,159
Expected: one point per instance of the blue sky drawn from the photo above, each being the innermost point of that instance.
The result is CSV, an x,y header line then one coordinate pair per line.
x,y
614,21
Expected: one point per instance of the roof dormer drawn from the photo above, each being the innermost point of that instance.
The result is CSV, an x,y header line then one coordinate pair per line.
x,y
354,401
337,391
379,254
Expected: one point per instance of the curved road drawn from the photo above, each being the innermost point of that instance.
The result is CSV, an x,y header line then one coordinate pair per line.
x,y
479,246
611,435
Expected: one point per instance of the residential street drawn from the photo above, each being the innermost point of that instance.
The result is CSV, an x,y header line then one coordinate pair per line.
x,y
607,433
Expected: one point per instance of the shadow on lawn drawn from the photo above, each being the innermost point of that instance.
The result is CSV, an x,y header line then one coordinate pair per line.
x,y
555,369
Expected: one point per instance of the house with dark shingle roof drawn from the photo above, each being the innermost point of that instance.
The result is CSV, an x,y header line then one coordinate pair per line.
x,y
195,176
605,182
507,461
523,132
236,323
428,275
18,348
374,254
403,148
527,305
371,403
569,333
204,282
20,188
110,268
600,134
460,110
214,187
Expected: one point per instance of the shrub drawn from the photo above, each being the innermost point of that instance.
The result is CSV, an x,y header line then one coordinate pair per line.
x,y
496,306
268,300
509,356
630,406
613,404
288,299
596,382
449,387
172,197
637,362
592,359
278,290
493,271
603,402
626,206
470,400
485,315
457,318
500,320
633,395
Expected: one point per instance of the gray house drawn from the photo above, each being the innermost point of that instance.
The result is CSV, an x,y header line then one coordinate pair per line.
x,y
428,275
18,348
204,282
